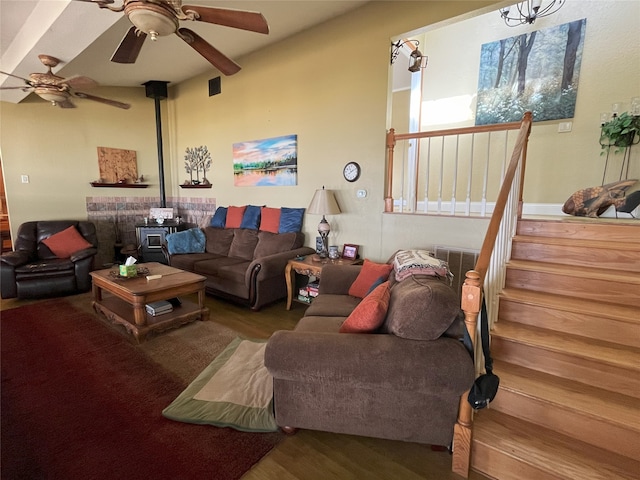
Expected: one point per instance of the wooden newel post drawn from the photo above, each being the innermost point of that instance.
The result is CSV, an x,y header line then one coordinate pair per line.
x,y
462,433
388,198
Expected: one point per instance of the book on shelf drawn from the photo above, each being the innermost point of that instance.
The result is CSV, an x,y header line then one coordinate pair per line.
x,y
158,308
304,299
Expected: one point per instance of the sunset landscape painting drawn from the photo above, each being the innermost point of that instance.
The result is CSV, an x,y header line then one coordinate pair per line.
x,y
268,162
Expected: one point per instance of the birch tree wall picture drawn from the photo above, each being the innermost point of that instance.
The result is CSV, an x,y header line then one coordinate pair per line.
x,y
536,71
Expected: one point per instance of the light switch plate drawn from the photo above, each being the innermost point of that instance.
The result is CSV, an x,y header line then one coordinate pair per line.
x,y
564,127
24,178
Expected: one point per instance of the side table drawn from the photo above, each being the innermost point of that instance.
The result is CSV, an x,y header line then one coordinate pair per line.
x,y
311,267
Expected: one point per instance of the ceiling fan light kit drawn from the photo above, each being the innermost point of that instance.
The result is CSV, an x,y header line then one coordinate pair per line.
x,y
157,18
58,90
52,94
154,20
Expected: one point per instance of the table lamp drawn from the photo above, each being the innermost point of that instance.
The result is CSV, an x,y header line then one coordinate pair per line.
x,y
324,203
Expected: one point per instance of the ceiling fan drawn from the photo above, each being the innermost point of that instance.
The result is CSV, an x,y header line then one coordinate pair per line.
x,y
157,18
58,90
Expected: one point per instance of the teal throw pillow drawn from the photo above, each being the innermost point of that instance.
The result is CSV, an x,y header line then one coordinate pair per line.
x,y
187,241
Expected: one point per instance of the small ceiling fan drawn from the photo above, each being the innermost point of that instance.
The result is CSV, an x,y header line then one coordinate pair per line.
x,y
157,18
58,90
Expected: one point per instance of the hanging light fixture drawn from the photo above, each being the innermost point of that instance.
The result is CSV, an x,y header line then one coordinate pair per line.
x,y
527,12
417,60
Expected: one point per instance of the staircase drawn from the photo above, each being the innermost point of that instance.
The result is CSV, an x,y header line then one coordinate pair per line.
x,y
567,349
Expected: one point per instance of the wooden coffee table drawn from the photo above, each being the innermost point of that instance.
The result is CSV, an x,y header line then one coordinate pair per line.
x,y
125,299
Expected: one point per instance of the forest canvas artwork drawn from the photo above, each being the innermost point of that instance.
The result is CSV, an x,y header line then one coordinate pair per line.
x,y
536,71
268,162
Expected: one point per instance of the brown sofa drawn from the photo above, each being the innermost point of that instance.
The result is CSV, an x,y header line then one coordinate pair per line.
x,y
243,265
402,382
32,270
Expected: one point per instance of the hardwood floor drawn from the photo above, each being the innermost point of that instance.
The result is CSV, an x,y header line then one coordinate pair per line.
x,y
314,455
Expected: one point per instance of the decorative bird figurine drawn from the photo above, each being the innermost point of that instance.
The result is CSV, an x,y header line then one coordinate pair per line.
x,y
628,204
594,201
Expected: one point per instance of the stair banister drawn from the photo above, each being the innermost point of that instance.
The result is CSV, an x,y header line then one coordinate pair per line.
x,y
388,188
471,300
472,289
393,138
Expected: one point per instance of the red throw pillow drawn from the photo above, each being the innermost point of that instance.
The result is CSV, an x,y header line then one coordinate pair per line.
x,y
369,273
234,216
370,313
66,242
270,219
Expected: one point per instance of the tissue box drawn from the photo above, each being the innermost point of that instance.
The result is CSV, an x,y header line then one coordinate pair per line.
x,y
128,271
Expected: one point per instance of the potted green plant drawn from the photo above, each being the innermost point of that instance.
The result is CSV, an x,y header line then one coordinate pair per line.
x,y
620,132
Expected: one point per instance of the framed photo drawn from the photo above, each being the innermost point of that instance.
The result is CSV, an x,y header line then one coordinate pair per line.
x,y
350,251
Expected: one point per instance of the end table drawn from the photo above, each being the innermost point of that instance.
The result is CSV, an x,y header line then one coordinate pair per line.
x,y
311,267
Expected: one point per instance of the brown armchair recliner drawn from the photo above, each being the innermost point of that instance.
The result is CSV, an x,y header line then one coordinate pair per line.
x,y
33,271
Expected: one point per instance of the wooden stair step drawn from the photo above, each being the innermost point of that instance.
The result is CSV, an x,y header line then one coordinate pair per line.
x,y
579,316
577,271
508,448
585,252
613,230
575,409
613,367
577,281
586,348
566,347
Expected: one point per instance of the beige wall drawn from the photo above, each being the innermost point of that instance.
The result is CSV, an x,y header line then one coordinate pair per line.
x,y
57,149
558,163
328,85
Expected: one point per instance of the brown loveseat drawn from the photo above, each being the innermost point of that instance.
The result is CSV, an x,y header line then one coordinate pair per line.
x,y
402,382
33,270
243,265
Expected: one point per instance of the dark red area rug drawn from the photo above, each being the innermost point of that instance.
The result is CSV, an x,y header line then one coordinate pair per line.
x,y
80,401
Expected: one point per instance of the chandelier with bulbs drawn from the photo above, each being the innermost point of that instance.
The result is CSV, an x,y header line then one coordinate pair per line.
x,y
528,12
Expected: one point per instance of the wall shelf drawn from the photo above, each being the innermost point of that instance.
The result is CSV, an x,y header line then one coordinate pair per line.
x,y
208,185
119,185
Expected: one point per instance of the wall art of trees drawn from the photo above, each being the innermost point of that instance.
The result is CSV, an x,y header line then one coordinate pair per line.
x,y
197,160
536,71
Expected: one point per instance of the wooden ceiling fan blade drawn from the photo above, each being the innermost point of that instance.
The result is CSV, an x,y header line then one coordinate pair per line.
x,y
243,19
214,56
106,101
130,46
78,81
24,88
28,82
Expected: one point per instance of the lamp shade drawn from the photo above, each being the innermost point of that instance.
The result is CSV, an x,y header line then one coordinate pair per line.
x,y
323,203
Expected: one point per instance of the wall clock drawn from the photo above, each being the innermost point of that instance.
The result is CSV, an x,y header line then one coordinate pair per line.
x,y
351,171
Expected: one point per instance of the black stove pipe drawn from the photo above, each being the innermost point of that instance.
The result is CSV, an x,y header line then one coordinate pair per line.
x,y
157,90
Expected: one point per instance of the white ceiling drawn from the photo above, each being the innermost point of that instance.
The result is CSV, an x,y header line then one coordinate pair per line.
x,y
85,36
